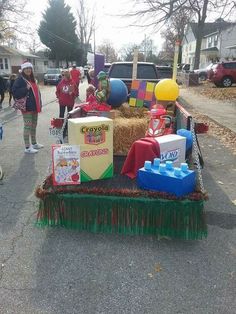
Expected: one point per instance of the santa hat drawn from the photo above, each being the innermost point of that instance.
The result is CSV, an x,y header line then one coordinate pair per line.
x,y
26,65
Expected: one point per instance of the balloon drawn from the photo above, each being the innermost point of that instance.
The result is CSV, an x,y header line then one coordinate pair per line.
x,y
118,93
167,90
188,135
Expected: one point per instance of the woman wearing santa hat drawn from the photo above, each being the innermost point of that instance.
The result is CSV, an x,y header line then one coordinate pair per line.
x,y
25,86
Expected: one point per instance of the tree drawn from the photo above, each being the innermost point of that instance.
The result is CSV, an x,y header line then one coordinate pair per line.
x,y
11,13
175,31
108,50
127,52
85,27
157,12
57,32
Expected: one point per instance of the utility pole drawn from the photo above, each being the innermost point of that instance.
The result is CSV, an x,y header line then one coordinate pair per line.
x,y
177,44
145,48
94,40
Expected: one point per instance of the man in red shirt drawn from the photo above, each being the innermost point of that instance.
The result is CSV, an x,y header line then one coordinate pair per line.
x,y
75,75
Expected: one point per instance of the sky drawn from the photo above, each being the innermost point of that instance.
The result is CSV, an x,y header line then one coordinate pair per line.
x,y
109,26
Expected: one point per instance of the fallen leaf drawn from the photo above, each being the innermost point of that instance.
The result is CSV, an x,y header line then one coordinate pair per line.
x,y
158,268
150,275
220,182
234,202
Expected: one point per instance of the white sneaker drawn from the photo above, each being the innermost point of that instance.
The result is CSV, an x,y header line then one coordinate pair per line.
x,y
31,150
37,146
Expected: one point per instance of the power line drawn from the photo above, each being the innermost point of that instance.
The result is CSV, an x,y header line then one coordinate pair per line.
x,y
53,35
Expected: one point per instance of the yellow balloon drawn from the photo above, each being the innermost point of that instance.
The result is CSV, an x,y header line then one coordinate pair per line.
x,y
167,90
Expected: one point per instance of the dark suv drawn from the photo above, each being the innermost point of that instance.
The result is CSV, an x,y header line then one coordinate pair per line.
x,y
164,71
223,74
123,71
53,76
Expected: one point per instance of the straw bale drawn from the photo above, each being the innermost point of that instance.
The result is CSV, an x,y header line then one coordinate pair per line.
x,y
127,131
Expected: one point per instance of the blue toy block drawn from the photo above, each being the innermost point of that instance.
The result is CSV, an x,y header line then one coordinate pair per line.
x,y
163,177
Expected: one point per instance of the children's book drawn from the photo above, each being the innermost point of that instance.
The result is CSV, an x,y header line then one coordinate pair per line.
x,y
66,164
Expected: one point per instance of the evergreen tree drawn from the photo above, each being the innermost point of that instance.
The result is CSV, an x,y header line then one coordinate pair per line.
x,y
57,32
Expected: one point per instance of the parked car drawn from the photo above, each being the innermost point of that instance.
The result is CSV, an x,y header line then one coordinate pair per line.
x,y
202,73
53,76
164,71
185,67
123,71
223,74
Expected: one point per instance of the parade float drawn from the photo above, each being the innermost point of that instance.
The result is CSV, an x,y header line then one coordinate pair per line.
x,y
133,168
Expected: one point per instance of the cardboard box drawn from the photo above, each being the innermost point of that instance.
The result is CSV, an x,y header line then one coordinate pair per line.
x,y
95,137
173,148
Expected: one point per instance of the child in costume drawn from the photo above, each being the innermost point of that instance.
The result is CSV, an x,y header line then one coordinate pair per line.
x,y
103,91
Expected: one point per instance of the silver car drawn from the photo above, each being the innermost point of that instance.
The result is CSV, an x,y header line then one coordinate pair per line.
x,y
53,76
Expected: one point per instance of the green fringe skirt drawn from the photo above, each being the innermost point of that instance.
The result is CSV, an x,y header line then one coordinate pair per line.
x,y
183,219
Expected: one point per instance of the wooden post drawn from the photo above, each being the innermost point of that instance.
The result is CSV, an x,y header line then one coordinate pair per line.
x,y
135,64
177,44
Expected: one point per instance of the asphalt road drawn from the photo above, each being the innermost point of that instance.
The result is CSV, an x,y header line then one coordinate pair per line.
x,y
57,271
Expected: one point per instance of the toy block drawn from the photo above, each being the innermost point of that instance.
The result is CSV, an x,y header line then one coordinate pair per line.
x,y
163,177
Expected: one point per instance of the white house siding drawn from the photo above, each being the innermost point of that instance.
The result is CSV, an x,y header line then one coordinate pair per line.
x,y
228,38
188,48
16,60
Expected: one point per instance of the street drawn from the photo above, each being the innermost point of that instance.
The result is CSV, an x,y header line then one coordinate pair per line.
x,y
60,271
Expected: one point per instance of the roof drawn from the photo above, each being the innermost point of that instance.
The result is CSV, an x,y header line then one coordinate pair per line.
x,y
210,28
231,47
210,49
7,51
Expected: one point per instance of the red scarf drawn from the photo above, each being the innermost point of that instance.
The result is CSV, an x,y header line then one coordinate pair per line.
x,y
36,93
35,90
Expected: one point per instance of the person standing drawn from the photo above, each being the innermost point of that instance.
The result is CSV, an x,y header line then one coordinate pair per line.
x,y
66,94
25,86
76,76
11,82
2,90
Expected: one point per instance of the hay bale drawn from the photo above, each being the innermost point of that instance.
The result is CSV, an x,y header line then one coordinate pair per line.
x,y
127,131
132,112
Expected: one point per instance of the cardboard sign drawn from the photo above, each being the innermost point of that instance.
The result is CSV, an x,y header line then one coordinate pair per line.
x,y
142,94
66,164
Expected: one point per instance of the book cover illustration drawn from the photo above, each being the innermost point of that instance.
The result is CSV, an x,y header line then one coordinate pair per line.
x,y
66,164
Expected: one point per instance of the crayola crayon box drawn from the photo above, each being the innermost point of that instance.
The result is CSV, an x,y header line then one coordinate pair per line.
x,y
95,137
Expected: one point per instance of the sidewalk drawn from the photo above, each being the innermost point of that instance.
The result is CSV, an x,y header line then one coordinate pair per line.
x,y
222,112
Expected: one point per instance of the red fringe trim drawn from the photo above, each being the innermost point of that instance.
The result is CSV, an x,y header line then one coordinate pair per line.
x,y
48,188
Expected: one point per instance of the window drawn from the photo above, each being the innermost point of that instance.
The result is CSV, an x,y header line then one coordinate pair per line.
x,y
6,63
215,40
230,65
1,64
146,72
209,40
45,63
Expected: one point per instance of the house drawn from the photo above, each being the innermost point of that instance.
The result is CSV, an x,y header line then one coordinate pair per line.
x,y
218,43
11,59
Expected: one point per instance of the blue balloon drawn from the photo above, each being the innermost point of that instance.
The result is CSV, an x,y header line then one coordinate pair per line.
x,y
188,135
118,93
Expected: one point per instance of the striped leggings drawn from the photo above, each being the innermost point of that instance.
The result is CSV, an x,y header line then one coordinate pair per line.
x,y
30,123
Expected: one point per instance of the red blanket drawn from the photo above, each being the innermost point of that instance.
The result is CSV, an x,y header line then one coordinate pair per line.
x,y
144,149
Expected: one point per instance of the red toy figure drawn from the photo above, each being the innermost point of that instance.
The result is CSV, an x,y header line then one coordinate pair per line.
x,y
75,76
158,123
